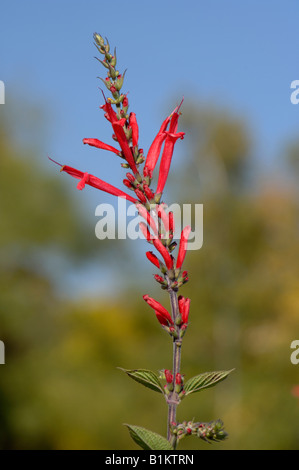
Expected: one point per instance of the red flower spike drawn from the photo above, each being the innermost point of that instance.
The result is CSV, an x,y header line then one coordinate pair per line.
x,y
95,183
100,145
183,246
158,308
164,253
153,259
168,376
135,130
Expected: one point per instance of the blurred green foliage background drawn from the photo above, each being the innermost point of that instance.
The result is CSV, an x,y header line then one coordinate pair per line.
x,y
60,387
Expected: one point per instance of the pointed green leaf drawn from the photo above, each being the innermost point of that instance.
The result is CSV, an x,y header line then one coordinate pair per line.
x,y
148,440
145,377
206,380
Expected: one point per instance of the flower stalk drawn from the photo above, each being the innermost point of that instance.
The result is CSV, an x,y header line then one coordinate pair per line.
x,y
158,229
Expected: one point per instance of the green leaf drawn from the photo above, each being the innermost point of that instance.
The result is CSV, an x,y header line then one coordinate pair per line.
x,y
206,380
148,440
145,377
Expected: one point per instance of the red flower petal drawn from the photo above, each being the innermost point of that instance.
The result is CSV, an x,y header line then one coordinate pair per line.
x,y
100,145
166,159
95,182
164,253
183,246
135,129
153,259
158,308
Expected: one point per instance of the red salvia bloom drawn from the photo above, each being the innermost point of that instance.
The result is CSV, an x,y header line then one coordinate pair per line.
x,y
86,178
171,138
135,130
153,259
183,246
164,253
163,313
162,320
184,307
100,145
155,149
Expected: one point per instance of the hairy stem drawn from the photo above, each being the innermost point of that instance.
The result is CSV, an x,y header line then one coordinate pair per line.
x,y
173,399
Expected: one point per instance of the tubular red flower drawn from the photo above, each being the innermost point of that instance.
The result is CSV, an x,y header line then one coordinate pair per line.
x,y
153,259
155,149
135,130
184,307
162,320
164,253
166,159
95,182
154,304
183,246
186,310
100,145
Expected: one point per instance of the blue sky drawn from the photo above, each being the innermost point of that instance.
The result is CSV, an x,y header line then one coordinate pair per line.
x,y
242,55
238,55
